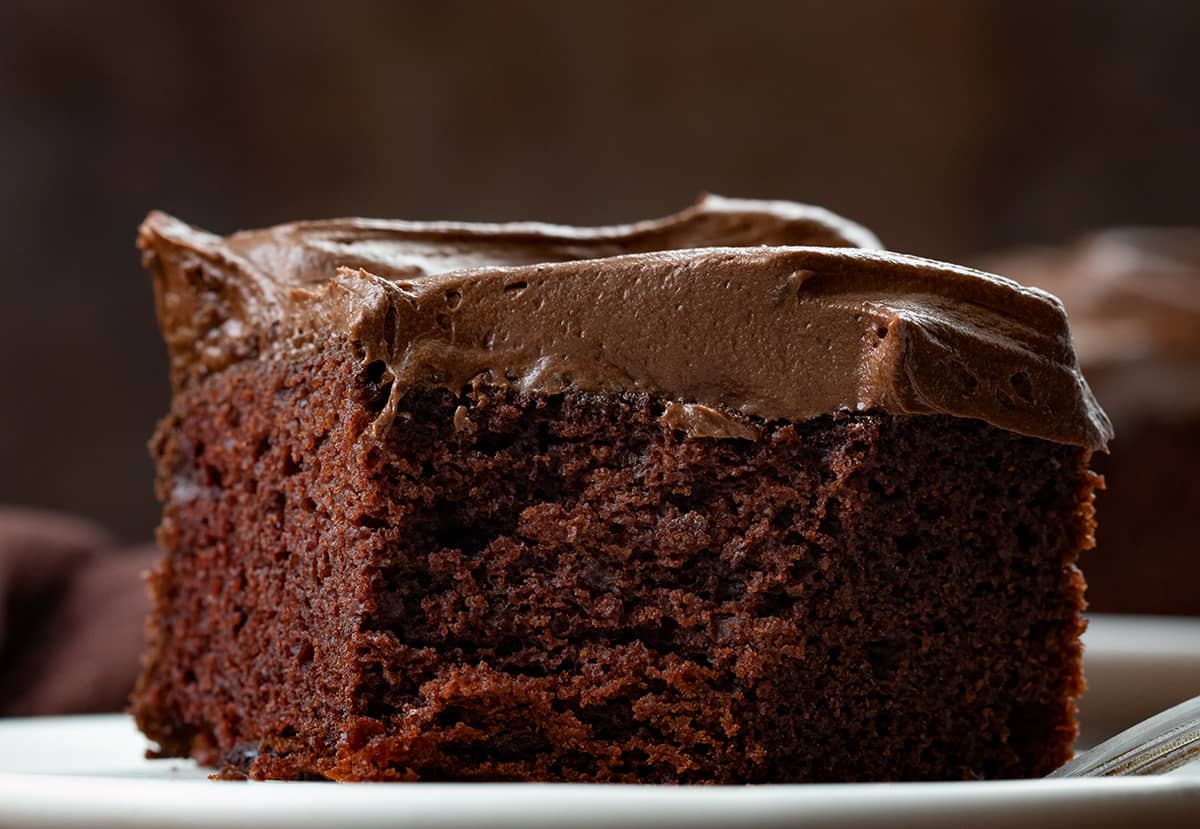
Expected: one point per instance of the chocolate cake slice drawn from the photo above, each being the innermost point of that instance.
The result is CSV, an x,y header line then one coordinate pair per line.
x,y
715,498
1133,298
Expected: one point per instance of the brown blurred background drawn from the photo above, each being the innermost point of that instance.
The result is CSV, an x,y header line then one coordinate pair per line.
x,y
948,127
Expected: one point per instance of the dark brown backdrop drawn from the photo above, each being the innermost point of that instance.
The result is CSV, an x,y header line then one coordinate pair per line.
x,y
949,127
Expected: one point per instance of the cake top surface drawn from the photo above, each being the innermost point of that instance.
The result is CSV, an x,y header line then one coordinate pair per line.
x,y
1133,299
769,310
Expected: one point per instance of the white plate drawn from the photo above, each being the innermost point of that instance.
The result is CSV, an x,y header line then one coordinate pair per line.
x,y
89,771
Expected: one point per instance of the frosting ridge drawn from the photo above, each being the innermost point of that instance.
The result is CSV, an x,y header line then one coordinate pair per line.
x,y
1133,297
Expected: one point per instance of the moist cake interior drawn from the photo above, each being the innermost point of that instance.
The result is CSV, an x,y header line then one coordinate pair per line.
x,y
507,585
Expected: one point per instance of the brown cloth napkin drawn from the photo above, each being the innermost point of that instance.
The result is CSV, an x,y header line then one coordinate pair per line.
x,y
72,614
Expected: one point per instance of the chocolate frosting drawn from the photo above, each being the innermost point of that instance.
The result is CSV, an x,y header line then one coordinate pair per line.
x,y
733,311
1133,298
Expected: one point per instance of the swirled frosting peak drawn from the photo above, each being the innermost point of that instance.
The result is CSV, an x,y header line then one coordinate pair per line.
x,y
733,311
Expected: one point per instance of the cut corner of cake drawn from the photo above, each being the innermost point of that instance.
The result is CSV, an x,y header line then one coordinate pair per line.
x,y
726,497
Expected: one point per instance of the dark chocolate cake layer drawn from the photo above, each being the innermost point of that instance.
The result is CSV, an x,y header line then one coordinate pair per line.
x,y
565,587
534,503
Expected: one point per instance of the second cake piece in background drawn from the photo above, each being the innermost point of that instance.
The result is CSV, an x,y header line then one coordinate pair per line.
x,y
714,498
1133,299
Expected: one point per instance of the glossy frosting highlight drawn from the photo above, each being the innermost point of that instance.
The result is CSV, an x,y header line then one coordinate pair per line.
x,y
734,311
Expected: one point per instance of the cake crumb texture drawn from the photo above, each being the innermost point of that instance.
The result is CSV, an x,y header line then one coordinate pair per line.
x,y
530,586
